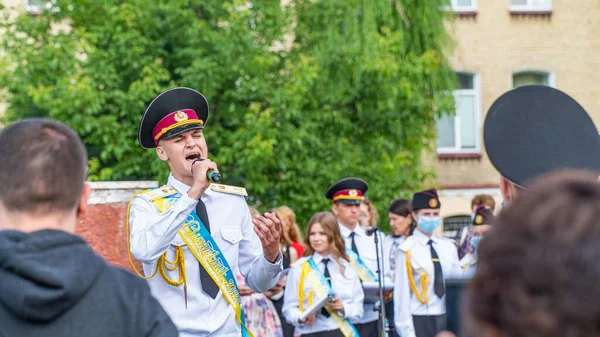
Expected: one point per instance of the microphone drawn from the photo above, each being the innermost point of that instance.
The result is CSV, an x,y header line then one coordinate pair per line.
x,y
370,230
211,175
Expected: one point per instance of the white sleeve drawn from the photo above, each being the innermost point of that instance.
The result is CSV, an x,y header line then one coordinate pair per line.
x,y
291,303
260,274
402,316
353,307
151,231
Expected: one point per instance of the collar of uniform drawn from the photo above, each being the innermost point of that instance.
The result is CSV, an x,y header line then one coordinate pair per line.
x,y
422,238
318,258
181,187
345,231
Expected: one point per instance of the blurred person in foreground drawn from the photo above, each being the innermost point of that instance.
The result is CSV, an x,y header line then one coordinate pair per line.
x,y
52,283
538,267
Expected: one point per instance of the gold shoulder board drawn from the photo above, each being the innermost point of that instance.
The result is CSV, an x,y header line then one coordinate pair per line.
x,y
407,244
157,193
229,189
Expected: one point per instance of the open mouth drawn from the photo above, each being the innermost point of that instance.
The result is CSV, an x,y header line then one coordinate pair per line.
x,y
190,157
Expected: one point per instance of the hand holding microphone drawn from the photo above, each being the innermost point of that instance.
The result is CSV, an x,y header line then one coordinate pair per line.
x,y
204,171
211,174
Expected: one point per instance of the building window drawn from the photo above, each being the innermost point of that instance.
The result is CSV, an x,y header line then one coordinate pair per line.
x,y
530,5
531,77
464,5
459,133
453,225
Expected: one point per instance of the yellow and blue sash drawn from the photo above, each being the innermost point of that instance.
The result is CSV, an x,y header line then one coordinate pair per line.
x,y
364,273
322,288
207,252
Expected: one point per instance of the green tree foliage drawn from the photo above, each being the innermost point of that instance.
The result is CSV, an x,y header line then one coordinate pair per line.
x,y
301,94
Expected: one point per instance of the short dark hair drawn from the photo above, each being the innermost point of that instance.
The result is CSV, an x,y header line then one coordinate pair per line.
x,y
43,166
537,271
400,207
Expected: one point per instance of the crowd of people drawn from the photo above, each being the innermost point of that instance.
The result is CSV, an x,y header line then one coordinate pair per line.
x,y
215,267
458,258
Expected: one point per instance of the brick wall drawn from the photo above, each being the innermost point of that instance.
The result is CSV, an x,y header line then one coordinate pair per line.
x,y
103,225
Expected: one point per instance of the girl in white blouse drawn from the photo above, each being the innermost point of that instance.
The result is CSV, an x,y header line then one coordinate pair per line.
x,y
324,270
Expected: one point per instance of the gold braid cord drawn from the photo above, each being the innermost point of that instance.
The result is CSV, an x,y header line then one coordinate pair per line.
x,y
163,262
421,297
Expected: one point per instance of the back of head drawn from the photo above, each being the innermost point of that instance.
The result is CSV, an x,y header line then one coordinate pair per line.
x,y
43,167
484,200
538,272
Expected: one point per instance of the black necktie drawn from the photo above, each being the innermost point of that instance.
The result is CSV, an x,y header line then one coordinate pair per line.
x,y
328,278
353,244
438,278
208,284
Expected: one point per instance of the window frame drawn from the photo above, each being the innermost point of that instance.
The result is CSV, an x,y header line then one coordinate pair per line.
x,y
530,8
549,74
476,92
463,9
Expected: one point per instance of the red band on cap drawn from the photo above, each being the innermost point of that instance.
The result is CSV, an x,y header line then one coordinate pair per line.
x,y
351,194
174,120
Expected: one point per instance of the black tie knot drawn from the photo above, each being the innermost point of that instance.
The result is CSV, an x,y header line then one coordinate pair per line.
x,y
430,242
326,261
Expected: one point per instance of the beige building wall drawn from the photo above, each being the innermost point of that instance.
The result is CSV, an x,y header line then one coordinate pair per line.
x,y
494,43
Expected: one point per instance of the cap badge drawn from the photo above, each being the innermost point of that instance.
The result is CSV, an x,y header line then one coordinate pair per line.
x,y
433,203
353,193
180,116
478,219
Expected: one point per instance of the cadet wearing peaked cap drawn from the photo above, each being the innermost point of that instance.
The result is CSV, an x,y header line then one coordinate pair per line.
x,y
532,130
347,194
177,229
423,262
481,224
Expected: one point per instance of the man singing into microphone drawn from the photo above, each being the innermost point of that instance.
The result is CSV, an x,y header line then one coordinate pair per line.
x,y
193,236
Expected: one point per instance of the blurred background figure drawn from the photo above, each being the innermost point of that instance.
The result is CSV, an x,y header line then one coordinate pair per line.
x,y
369,217
463,238
291,249
261,316
538,267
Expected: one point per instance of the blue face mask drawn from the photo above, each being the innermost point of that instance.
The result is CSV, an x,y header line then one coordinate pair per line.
x,y
428,225
475,241
472,217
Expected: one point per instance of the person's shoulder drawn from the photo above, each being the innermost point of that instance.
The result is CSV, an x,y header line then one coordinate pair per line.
x,y
152,194
446,242
407,244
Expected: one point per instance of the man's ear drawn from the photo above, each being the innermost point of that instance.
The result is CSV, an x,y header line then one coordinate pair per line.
x,y
83,199
334,208
160,151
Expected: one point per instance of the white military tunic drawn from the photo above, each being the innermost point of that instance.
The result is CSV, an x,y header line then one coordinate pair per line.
x,y
391,244
406,303
468,265
154,233
347,287
366,250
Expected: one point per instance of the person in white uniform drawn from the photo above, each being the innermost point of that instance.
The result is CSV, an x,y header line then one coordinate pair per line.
x,y
193,236
482,223
402,224
424,260
326,255
347,194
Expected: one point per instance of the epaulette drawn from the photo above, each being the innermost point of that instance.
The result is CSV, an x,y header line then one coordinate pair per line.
x,y
299,261
159,192
229,189
408,243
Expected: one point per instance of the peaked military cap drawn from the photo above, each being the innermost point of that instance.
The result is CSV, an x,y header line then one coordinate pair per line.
x,y
483,216
171,113
426,199
532,130
349,191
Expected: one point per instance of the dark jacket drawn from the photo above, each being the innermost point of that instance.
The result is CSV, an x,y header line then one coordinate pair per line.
x,y
53,284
